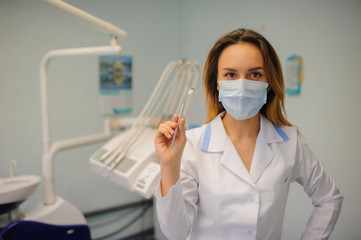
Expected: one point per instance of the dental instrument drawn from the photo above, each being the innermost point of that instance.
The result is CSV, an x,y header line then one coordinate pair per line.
x,y
189,92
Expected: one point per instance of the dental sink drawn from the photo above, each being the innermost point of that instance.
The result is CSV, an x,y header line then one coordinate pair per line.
x,y
15,190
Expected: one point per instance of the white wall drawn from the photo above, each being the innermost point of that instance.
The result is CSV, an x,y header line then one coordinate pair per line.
x,y
326,33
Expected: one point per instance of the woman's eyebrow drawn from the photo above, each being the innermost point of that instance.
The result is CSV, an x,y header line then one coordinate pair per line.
x,y
229,69
234,70
256,68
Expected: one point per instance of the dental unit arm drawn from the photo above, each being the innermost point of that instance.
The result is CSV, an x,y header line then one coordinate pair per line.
x,y
87,18
54,209
130,159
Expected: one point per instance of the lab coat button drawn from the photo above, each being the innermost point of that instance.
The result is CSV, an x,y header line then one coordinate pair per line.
x,y
251,199
249,232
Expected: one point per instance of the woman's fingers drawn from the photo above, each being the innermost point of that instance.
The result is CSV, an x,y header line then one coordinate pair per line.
x,y
181,127
182,132
175,117
164,139
167,129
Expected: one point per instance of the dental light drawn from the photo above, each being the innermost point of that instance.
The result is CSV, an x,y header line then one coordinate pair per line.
x,y
56,210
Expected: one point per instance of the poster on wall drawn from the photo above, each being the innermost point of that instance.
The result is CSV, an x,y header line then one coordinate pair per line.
x,y
293,75
115,84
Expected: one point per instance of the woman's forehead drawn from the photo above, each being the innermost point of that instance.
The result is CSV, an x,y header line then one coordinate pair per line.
x,y
241,55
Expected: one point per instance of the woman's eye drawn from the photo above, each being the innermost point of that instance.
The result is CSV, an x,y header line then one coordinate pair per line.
x,y
230,75
256,75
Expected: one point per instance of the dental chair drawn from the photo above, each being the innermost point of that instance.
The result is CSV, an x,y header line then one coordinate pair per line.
x,y
21,229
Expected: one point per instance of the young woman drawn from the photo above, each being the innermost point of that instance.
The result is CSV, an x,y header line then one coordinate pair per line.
x,y
229,179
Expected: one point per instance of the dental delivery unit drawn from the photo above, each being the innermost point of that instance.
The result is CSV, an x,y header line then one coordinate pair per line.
x,y
130,159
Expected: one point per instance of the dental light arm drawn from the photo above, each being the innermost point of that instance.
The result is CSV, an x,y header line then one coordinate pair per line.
x,y
89,19
49,148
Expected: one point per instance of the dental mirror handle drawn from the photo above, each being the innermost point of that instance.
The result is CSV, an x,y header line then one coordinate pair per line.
x,y
176,130
189,92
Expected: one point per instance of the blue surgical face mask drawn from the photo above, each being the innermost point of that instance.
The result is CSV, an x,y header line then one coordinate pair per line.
x,y
242,98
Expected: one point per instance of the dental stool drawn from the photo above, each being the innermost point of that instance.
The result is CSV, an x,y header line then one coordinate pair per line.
x,y
21,229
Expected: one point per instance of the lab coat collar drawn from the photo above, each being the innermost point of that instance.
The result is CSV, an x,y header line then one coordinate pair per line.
x,y
216,140
215,136
271,133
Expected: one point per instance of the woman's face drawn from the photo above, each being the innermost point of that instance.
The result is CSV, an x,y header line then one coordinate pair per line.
x,y
241,61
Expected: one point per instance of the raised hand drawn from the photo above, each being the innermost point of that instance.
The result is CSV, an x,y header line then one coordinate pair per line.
x,y
170,159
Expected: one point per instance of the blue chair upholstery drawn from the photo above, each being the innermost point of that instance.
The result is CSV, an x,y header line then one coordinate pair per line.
x,y
37,230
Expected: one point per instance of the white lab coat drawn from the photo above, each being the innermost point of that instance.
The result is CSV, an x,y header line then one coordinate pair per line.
x,y
217,198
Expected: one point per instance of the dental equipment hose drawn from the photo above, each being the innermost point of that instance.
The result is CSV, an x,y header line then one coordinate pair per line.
x,y
145,112
137,129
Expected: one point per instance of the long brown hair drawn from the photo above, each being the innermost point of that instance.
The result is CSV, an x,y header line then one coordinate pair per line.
x,y
274,108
